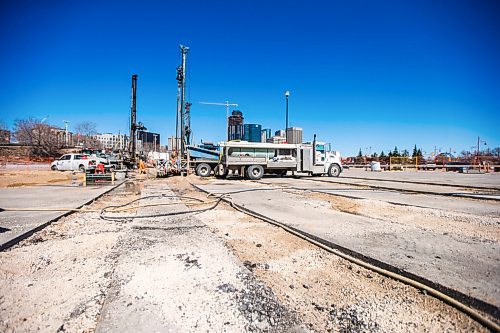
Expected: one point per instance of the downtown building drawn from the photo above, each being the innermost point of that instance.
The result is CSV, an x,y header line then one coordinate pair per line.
x,y
114,142
235,130
147,141
294,135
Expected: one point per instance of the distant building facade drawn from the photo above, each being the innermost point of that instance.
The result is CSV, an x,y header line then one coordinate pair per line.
x,y
276,139
174,144
265,134
235,130
280,133
252,132
146,141
294,135
112,141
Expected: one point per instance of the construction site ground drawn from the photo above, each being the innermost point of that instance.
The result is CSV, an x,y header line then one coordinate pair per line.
x,y
216,269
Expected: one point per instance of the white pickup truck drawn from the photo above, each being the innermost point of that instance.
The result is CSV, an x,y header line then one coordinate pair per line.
x,y
73,162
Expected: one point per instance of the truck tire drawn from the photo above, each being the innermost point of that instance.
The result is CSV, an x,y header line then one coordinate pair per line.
x,y
220,171
255,172
53,168
203,170
81,168
334,170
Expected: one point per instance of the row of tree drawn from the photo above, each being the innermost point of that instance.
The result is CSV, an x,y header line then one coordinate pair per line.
x,y
417,152
48,140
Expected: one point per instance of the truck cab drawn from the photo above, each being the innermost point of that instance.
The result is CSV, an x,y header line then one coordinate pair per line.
x,y
317,158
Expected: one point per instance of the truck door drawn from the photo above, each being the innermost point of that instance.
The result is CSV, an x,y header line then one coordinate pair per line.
x,y
306,158
64,163
75,162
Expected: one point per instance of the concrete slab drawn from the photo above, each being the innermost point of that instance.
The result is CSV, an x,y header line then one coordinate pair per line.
x,y
486,180
484,208
467,265
16,224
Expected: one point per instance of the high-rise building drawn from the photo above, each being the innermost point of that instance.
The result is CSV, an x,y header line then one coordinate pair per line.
x,y
294,135
265,134
280,133
252,132
235,126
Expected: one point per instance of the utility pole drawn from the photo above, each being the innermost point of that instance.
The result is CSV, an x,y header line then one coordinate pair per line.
x,y
227,105
65,132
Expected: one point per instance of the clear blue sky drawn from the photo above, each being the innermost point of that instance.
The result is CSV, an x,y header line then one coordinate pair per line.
x,y
361,73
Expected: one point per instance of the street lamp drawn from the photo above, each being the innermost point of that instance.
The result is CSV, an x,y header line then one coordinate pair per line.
x,y
66,132
287,93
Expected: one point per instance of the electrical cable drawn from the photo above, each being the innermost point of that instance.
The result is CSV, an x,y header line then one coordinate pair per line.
x,y
126,217
486,322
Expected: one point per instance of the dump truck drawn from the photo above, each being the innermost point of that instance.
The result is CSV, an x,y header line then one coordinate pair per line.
x,y
254,159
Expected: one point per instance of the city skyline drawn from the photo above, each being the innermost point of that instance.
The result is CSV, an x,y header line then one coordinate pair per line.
x,y
360,74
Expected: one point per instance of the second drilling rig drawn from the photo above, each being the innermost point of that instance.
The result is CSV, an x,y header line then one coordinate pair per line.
x,y
134,126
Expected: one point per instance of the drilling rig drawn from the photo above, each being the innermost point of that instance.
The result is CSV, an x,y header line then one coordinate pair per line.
x,y
183,123
134,126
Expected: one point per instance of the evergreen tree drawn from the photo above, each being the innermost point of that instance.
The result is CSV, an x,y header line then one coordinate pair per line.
x,y
382,154
360,154
415,152
405,153
419,152
395,153
374,155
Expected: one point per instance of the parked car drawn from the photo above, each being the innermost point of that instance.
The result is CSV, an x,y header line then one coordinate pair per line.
x,y
73,162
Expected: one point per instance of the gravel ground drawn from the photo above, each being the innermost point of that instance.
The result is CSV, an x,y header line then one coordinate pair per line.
x,y
329,293
168,274
216,271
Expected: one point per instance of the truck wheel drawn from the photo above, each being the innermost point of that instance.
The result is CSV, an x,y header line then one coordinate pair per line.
x,y
255,172
53,168
220,171
203,170
81,168
334,170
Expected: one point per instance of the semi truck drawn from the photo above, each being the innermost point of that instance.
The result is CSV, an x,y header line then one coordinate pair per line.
x,y
253,160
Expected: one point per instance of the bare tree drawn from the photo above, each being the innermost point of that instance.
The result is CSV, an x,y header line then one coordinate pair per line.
x,y
45,140
85,132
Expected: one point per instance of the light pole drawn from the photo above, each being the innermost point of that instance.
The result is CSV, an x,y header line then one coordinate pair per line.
x,y
287,93
65,132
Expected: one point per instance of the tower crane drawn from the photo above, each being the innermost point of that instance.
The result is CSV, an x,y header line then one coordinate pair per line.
x,y
227,105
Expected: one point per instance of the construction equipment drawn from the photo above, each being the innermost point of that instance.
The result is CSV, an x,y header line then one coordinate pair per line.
x,y
227,105
183,119
134,126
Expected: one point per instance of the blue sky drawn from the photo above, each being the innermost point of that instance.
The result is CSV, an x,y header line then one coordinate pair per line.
x,y
361,73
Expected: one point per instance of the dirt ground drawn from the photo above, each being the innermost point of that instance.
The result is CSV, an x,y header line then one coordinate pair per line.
x,y
329,293
15,178
63,278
